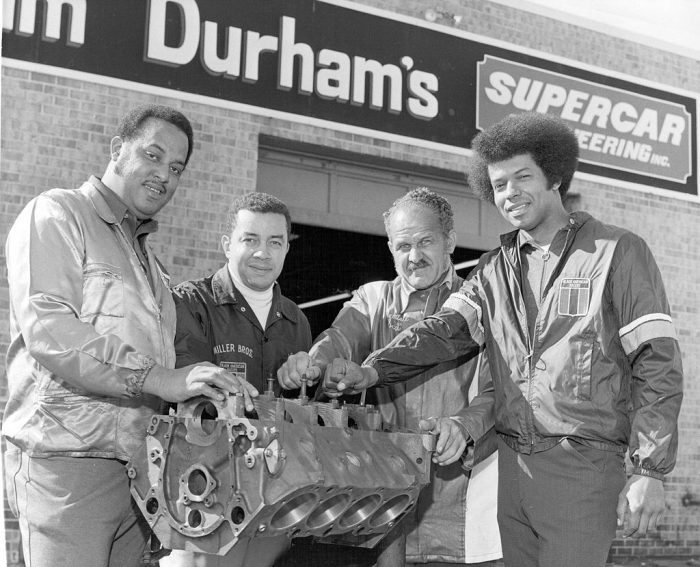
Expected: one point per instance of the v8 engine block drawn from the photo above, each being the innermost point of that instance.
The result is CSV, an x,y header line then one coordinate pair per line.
x,y
212,477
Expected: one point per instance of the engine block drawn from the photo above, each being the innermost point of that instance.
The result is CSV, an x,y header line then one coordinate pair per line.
x,y
211,476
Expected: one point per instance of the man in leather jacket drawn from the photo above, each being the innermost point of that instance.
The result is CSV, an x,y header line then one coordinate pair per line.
x,y
91,357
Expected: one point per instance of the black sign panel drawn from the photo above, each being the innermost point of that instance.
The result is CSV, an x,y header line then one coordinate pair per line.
x,y
333,63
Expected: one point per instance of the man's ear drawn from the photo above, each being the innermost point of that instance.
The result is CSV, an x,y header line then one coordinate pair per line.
x,y
556,185
451,242
225,242
115,147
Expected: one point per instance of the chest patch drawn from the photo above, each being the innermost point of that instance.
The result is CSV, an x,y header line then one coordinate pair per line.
x,y
238,369
574,296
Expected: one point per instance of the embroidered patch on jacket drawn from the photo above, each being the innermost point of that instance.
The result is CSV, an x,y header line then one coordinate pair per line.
x,y
574,296
238,369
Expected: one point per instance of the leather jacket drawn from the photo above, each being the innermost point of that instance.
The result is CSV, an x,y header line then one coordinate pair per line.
x,y
83,318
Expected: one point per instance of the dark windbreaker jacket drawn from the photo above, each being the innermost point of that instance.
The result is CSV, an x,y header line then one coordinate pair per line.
x,y
603,365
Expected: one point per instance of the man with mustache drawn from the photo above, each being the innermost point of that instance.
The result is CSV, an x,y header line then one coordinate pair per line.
x,y
584,356
91,356
238,319
443,529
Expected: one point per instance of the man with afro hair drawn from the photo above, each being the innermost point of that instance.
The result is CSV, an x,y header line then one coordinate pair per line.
x,y
584,357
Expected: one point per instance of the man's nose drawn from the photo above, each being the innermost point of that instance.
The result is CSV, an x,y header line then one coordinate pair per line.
x,y
513,189
415,254
262,252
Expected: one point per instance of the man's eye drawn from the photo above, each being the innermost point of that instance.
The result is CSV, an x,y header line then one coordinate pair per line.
x,y
176,171
151,156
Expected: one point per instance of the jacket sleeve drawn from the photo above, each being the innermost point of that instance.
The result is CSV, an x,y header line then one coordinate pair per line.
x,y
192,339
350,335
45,252
649,340
478,418
456,330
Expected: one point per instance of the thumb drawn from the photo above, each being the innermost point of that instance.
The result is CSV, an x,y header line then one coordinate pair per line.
x,y
428,425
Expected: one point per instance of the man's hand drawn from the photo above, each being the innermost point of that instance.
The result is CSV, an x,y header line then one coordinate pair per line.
x,y
296,367
202,379
347,377
451,442
640,505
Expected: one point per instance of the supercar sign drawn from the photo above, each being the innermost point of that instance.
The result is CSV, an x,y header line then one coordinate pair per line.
x,y
615,128
374,73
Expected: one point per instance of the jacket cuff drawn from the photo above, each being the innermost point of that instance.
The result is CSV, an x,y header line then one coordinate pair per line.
x,y
647,472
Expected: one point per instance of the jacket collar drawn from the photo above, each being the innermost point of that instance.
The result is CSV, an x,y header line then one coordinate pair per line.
x,y
577,219
224,292
405,290
110,207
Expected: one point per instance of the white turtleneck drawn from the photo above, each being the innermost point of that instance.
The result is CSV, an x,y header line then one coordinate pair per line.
x,y
259,301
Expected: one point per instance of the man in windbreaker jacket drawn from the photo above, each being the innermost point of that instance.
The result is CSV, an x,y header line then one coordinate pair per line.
x,y
584,357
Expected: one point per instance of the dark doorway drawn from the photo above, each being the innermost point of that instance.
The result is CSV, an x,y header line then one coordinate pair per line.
x,y
324,262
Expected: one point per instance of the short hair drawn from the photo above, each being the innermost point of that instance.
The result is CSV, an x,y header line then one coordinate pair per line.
x,y
131,124
257,203
548,139
424,197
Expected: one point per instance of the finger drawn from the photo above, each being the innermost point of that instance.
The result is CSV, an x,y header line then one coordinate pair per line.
x,y
249,392
210,392
427,425
622,509
312,374
632,525
452,454
283,378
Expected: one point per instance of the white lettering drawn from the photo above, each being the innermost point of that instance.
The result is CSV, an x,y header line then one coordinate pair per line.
x,y
525,98
598,107
77,14
377,74
255,46
156,50
230,64
500,93
552,96
422,103
333,78
672,129
574,102
647,124
618,114
288,52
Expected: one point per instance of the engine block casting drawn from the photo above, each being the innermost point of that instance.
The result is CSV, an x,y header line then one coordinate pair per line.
x,y
212,476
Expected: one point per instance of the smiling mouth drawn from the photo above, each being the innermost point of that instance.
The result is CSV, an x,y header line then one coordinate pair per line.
x,y
155,190
517,208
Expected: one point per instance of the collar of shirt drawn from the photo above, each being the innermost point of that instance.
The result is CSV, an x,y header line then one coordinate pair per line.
x,y
132,225
555,247
407,289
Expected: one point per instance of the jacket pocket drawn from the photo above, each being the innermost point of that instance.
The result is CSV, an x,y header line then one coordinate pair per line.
x,y
584,364
103,291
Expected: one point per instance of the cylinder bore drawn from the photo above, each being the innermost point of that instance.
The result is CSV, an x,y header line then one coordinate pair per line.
x,y
205,415
327,511
360,511
390,510
294,511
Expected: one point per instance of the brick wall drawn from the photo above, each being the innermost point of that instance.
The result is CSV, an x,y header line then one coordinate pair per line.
x,y
56,131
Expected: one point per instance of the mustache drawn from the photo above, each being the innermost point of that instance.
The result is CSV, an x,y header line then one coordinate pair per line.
x,y
417,265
